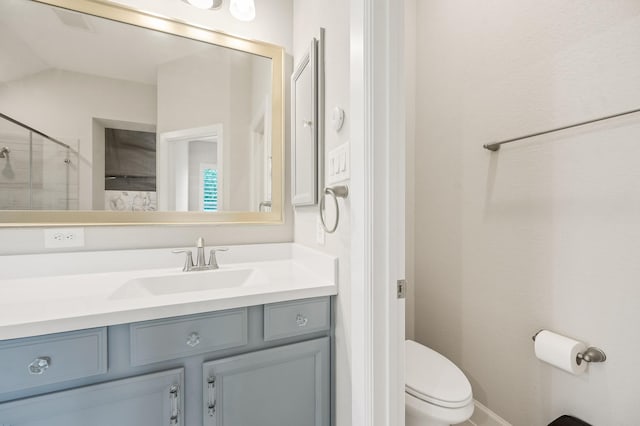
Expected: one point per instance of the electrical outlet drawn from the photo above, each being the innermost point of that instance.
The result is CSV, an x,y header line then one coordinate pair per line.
x,y
63,237
319,232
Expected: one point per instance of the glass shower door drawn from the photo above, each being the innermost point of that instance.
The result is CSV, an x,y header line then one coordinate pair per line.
x,y
54,181
36,173
15,170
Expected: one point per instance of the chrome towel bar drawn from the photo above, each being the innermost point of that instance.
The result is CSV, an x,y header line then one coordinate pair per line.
x,y
495,146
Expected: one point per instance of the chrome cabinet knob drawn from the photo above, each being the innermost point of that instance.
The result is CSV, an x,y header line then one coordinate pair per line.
x,y
193,339
301,320
39,365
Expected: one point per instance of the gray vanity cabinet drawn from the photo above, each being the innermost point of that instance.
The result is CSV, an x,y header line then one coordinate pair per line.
x,y
148,400
263,365
283,386
43,360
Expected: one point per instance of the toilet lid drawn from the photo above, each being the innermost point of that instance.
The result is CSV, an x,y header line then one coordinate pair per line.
x,y
433,378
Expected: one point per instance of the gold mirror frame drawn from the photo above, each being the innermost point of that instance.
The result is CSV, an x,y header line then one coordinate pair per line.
x,y
119,13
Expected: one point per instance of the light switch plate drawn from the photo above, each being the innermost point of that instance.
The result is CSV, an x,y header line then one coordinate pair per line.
x,y
338,163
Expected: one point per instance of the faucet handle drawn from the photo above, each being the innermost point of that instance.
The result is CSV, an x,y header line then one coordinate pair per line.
x,y
188,262
213,262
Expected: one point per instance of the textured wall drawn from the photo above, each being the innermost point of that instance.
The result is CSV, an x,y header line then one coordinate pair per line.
x,y
545,233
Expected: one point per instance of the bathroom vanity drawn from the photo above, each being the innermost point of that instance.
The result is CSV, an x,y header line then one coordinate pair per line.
x,y
209,356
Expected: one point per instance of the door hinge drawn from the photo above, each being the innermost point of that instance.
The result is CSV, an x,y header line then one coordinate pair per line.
x,y
402,288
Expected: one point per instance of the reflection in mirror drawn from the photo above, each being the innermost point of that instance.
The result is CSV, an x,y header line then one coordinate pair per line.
x,y
130,170
102,115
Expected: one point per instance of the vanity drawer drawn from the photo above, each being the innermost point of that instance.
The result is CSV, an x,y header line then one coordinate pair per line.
x,y
287,319
172,338
43,360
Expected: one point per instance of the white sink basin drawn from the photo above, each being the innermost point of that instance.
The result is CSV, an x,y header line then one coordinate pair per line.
x,y
58,292
187,282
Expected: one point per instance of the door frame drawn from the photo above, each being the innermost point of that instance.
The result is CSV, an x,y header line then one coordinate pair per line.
x,y
378,205
164,166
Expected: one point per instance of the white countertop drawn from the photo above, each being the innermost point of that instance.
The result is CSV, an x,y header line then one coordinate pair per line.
x,y
51,293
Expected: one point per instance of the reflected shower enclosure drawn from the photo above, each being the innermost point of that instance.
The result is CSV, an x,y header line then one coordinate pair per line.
x,y
37,172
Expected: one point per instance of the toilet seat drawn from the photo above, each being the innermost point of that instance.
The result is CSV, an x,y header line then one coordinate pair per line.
x,y
432,378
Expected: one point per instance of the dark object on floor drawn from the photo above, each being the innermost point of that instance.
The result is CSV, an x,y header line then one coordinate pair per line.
x,y
568,421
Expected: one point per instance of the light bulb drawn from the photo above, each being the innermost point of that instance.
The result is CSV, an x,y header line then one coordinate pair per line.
x,y
243,10
205,4
201,4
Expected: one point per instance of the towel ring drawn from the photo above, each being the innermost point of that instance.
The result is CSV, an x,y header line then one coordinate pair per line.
x,y
340,191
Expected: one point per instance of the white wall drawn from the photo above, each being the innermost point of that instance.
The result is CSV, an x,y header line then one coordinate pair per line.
x,y
240,147
194,91
260,84
309,16
272,24
260,131
410,166
544,233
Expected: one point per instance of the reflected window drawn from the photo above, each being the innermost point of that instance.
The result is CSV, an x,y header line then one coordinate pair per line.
x,y
209,185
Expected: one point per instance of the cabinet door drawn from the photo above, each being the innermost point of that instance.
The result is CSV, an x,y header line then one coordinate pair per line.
x,y
149,400
284,386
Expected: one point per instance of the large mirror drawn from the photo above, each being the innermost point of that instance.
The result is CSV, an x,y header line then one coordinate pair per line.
x,y
112,116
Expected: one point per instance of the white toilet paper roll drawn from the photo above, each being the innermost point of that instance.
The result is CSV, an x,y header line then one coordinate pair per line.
x,y
560,351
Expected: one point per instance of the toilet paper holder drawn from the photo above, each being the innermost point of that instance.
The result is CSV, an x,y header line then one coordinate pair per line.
x,y
591,354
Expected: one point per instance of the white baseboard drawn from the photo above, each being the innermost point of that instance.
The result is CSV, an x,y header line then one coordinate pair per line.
x,y
482,416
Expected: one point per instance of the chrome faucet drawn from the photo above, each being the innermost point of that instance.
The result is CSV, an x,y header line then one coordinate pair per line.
x,y
201,264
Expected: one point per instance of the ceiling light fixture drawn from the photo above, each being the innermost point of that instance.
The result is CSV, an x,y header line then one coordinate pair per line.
x,y
243,10
205,4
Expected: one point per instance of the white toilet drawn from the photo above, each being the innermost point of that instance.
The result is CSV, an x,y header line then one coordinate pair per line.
x,y
437,393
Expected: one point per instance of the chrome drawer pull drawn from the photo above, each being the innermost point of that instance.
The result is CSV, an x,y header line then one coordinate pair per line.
x,y
301,320
193,340
211,396
39,365
175,408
